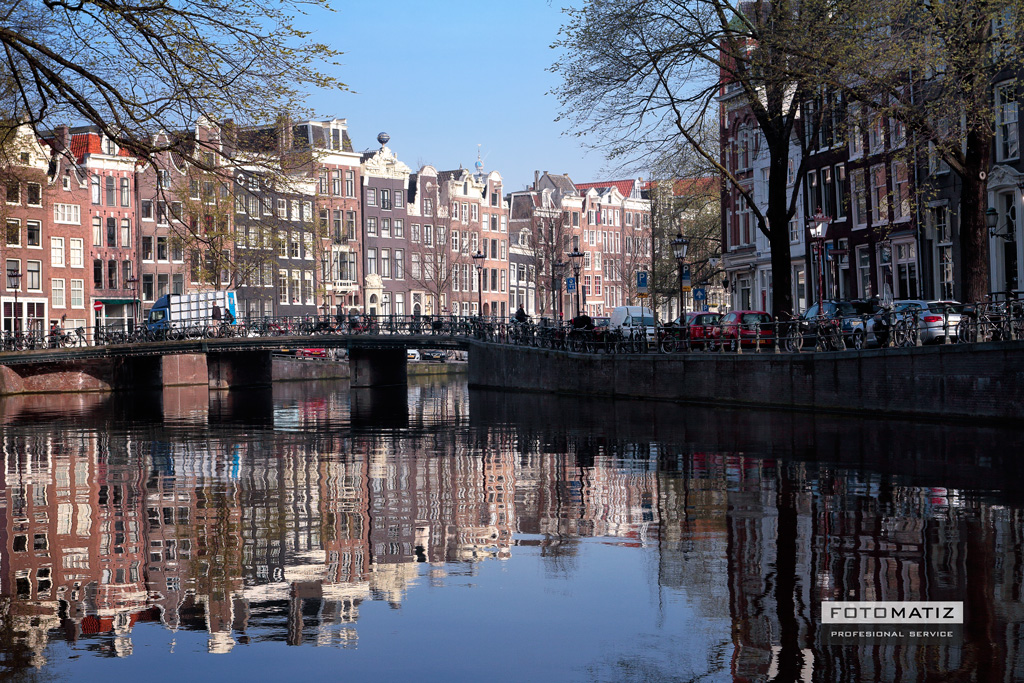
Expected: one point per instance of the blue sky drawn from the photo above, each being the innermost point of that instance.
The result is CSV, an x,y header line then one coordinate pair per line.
x,y
442,76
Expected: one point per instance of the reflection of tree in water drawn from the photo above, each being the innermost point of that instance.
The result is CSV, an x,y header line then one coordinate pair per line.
x,y
684,667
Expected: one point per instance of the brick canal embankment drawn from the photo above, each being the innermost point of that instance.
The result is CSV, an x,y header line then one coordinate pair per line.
x,y
958,381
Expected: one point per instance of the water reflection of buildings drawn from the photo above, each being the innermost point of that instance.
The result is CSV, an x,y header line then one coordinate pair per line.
x,y
284,535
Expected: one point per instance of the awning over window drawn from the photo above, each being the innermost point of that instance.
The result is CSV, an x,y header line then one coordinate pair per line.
x,y
115,302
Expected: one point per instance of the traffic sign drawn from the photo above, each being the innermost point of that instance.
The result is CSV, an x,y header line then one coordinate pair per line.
x,y
700,294
570,284
641,281
686,288
98,306
686,277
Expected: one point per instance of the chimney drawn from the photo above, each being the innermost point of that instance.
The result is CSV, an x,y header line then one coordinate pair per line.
x,y
62,139
536,179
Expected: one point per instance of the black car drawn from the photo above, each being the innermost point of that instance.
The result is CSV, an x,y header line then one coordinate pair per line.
x,y
850,316
433,354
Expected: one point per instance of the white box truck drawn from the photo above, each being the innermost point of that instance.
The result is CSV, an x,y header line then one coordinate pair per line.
x,y
182,311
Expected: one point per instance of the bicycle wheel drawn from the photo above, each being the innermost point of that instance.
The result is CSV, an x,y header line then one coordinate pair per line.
x,y
668,344
901,333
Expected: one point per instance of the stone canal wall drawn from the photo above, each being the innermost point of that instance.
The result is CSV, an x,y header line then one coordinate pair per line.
x,y
962,381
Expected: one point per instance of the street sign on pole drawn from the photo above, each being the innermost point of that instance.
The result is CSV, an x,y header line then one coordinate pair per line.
x,y
641,281
700,294
570,284
686,277
98,306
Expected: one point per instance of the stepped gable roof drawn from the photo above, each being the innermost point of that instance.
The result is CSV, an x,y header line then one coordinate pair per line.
x,y
625,187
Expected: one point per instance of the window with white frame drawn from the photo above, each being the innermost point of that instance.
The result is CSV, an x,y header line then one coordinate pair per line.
x,y
942,235
76,252
68,214
77,293
859,199
900,191
34,276
906,270
57,293
57,252
879,195
1007,136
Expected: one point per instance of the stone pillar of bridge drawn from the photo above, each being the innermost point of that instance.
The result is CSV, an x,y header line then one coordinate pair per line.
x,y
239,369
377,367
183,369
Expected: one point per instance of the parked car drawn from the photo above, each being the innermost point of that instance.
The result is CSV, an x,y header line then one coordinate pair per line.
x,y
631,319
935,319
701,326
697,329
412,354
433,354
741,329
849,314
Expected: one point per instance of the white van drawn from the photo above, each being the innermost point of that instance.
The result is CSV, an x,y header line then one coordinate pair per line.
x,y
631,319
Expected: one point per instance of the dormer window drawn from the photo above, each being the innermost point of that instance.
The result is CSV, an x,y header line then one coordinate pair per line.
x,y
109,147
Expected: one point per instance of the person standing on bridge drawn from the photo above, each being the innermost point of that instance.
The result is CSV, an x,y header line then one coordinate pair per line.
x,y
521,316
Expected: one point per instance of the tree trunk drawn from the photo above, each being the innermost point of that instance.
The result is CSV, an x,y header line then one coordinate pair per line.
x,y
777,216
974,261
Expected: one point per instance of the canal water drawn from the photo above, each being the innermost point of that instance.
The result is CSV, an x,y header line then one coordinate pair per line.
x,y
444,534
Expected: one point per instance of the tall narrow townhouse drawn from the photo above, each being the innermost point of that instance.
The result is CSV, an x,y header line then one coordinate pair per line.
x,y
337,170
111,258
556,218
45,191
493,243
533,282
460,197
387,214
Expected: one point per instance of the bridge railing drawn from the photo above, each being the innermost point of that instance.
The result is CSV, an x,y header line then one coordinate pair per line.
x,y
953,323
128,332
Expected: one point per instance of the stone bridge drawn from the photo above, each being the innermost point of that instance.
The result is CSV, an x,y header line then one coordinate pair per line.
x,y
375,360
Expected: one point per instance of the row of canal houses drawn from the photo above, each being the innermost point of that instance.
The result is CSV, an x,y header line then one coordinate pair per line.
x,y
892,204
297,223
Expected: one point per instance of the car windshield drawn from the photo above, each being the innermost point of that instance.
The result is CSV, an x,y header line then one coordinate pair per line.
x,y
643,320
943,306
752,318
906,305
709,319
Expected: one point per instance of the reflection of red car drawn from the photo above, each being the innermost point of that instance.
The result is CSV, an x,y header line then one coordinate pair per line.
x,y
745,328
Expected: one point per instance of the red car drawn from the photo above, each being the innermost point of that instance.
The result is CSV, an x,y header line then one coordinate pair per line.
x,y
698,330
746,329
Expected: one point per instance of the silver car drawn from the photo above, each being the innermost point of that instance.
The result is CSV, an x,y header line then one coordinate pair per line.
x,y
937,319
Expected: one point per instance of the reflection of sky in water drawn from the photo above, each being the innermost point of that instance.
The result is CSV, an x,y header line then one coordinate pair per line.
x,y
313,530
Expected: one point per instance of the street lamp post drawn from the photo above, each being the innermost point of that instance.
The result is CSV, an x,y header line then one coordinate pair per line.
x,y
557,268
576,257
14,282
478,258
817,226
131,282
679,247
